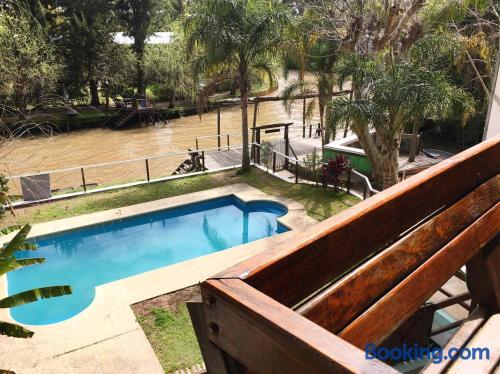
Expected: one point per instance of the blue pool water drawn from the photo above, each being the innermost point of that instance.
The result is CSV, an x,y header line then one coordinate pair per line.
x,y
103,253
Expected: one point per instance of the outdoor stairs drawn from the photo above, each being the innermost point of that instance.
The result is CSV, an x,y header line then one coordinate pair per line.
x,y
196,369
184,168
195,163
124,118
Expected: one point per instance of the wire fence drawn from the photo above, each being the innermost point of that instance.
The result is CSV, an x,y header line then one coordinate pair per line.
x,y
35,187
311,170
67,182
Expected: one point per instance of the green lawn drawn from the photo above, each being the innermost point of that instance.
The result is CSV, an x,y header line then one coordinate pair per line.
x,y
172,337
320,203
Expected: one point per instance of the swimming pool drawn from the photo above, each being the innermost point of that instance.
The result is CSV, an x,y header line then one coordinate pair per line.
x,y
94,255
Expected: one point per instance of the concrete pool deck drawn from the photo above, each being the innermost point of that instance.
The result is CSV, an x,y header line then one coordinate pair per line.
x,y
105,337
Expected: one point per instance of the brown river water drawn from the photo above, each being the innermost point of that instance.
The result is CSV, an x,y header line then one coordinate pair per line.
x,y
166,141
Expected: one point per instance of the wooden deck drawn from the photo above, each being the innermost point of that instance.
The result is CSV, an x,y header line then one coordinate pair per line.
x,y
223,158
232,157
421,162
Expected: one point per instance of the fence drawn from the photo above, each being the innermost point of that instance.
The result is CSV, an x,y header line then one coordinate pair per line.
x,y
118,174
224,140
310,171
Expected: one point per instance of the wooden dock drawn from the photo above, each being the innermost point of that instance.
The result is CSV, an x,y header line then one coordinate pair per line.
x,y
223,158
232,157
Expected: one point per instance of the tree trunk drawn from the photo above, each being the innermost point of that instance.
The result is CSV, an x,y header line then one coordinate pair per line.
x,y
321,116
245,159
330,130
385,172
106,95
346,129
384,161
141,86
414,142
139,47
94,93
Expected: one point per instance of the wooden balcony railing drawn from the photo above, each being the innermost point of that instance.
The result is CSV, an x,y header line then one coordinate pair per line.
x,y
311,303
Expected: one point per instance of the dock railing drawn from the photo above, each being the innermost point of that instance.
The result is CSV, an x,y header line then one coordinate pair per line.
x,y
352,180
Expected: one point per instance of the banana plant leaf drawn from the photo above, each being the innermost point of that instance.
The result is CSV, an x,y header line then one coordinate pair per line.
x,y
9,262
28,247
13,263
36,294
18,243
15,331
30,261
8,230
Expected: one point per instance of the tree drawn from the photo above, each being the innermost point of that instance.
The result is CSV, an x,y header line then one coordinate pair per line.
x,y
115,72
388,98
28,63
141,19
167,71
376,31
299,40
322,56
474,26
236,35
88,43
9,262
369,26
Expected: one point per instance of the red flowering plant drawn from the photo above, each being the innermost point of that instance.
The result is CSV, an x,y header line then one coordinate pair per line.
x,y
334,169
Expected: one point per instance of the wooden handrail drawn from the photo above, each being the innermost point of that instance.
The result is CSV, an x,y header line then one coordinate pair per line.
x,y
401,302
366,275
328,250
270,338
381,272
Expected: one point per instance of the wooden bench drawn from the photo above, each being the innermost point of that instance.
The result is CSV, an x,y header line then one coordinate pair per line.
x,y
313,302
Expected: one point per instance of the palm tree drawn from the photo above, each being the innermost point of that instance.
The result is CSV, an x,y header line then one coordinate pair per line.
x,y
236,36
386,98
299,39
9,262
321,59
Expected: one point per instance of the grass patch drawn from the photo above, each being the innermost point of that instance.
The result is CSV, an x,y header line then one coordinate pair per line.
x,y
172,337
320,203
166,322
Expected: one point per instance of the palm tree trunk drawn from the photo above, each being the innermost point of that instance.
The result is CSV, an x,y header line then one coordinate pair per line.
x,y
414,141
330,131
245,158
385,172
321,117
